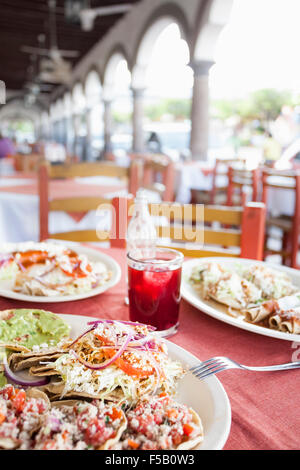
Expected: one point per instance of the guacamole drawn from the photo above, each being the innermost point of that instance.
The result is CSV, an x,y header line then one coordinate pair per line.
x,y
30,327
3,380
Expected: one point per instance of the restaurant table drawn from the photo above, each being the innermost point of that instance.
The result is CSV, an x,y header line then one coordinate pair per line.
x,y
265,405
19,206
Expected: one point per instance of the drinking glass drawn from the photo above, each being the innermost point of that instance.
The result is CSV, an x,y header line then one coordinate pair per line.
x,y
154,288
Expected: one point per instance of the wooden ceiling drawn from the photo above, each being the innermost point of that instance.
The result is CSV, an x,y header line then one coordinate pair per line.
x,y
22,21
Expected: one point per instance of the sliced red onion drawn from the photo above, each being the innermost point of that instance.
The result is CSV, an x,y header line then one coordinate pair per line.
x,y
21,266
5,258
81,336
107,363
19,381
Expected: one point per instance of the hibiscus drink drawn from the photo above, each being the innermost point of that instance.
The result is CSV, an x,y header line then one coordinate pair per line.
x,y
154,288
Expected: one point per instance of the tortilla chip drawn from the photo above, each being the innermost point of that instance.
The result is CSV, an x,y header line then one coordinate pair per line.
x,y
42,370
14,347
55,391
21,361
9,443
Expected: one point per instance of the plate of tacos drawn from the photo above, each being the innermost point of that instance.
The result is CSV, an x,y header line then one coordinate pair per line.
x,y
54,271
114,385
252,295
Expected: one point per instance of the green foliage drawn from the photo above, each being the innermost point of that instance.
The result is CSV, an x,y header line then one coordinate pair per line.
x,y
264,105
121,118
180,109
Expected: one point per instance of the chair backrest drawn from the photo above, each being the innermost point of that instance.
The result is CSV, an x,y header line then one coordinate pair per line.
x,y
280,179
241,179
285,180
27,163
220,171
76,204
159,175
190,228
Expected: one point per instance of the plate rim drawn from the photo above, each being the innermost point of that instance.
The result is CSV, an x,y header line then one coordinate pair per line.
x,y
219,395
105,258
200,305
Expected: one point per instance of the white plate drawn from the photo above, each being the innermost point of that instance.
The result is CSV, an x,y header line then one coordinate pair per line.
x,y
208,397
217,310
93,255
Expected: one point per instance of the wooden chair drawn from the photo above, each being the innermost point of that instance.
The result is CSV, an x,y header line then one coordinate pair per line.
x,y
83,204
288,225
28,163
244,238
159,176
218,192
240,180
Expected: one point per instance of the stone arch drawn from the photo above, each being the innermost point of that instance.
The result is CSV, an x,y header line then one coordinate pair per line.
x,y
213,17
78,98
118,55
160,19
92,87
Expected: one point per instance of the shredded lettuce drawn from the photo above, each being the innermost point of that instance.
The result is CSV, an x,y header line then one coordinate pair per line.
x,y
9,271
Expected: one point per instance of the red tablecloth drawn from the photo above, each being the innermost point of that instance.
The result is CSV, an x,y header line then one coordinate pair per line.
x,y
265,406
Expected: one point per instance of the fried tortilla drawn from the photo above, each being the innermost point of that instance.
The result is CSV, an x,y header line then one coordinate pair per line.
x,y
193,442
26,360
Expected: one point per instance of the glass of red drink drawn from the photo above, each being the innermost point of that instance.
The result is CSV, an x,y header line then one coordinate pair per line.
x,y
154,288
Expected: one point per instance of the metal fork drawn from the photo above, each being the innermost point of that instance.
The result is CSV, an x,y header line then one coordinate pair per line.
x,y
215,365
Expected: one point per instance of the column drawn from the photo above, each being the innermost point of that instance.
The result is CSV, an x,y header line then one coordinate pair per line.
x,y
75,124
108,125
138,143
88,137
200,110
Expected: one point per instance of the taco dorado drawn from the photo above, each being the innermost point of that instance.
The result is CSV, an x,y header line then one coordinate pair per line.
x,y
78,425
113,360
160,423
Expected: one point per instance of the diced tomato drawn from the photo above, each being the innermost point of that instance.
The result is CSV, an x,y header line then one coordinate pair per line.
x,y
49,444
187,429
176,437
158,418
7,391
18,400
127,367
41,406
145,423
172,414
104,340
133,444
115,414
65,435
94,434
